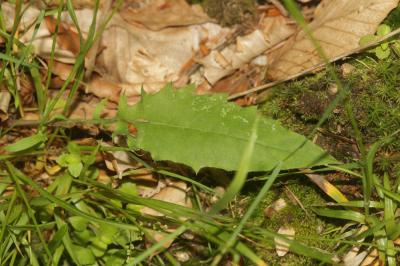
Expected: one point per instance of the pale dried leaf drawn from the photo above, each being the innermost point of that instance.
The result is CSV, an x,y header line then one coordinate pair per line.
x,y
152,188
26,21
281,245
168,13
5,98
353,257
338,26
175,193
219,64
275,207
134,55
119,161
372,259
347,69
130,56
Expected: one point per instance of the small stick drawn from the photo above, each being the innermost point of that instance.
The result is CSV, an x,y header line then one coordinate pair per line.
x,y
280,7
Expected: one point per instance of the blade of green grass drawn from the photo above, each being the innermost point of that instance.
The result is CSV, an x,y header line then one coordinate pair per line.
x,y
26,143
232,239
31,212
240,177
341,214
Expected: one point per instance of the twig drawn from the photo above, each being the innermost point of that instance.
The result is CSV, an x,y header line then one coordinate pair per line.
x,y
290,194
280,7
320,65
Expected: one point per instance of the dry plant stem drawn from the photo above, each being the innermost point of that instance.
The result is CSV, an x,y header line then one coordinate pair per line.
x,y
316,67
296,199
280,7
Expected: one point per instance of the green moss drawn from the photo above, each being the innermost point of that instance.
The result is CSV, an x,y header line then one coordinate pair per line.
x,y
231,12
374,94
309,228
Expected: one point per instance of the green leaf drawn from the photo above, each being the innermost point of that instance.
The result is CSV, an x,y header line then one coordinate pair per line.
x,y
367,39
57,238
383,29
78,223
26,143
114,257
98,247
107,233
128,188
75,168
84,255
99,108
207,130
83,237
381,53
341,214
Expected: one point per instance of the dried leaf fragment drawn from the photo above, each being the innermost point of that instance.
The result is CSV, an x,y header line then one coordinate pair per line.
x,y
338,27
5,98
175,193
219,64
169,13
282,245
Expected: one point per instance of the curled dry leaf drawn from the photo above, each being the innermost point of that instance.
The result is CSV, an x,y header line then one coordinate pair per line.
x,y
282,245
138,56
130,56
219,64
338,26
119,161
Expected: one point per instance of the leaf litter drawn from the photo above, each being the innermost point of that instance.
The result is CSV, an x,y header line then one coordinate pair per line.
x,y
146,45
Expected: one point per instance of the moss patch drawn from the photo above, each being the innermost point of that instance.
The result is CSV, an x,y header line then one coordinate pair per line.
x,y
310,229
231,12
374,94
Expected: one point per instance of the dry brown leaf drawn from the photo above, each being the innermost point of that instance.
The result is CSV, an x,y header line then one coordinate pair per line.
x,y
139,56
338,26
219,64
159,14
131,56
67,37
119,161
61,70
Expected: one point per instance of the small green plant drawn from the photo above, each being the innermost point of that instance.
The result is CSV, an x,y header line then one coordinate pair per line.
x,y
72,160
383,50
